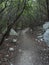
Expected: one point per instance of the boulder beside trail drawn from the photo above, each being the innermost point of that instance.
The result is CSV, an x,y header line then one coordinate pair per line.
x,y
46,37
46,26
12,32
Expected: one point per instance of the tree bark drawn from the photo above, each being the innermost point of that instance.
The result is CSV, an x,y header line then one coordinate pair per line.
x,y
47,3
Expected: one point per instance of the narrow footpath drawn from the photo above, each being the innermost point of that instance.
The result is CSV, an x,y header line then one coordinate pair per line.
x,y
28,51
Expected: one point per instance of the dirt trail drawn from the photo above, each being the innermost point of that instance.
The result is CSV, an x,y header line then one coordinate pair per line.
x,y
28,51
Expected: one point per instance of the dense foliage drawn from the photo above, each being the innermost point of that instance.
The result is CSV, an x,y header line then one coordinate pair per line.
x,y
22,14
35,12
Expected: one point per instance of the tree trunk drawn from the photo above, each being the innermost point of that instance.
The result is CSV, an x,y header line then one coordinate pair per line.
x,y
11,25
47,3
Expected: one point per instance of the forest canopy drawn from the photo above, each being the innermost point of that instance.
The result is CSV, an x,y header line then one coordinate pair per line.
x,y
35,11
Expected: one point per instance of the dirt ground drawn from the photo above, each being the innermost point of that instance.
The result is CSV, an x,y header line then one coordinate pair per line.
x,y
28,50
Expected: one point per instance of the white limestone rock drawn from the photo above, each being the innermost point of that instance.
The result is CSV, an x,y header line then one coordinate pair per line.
x,y
11,49
14,40
13,32
46,26
46,37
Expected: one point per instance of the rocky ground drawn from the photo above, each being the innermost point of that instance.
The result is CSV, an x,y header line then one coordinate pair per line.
x,y
27,49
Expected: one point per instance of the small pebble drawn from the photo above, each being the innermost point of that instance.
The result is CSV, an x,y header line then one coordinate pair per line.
x,y
41,39
14,40
7,55
6,39
11,49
